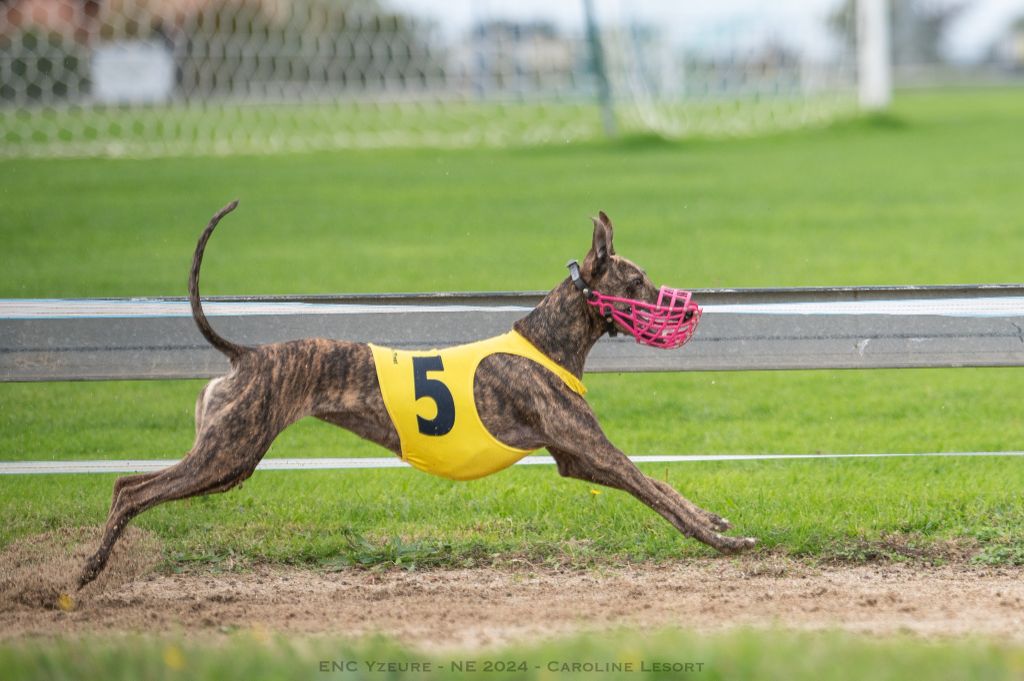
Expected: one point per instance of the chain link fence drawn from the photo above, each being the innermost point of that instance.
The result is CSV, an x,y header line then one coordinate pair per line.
x,y
177,77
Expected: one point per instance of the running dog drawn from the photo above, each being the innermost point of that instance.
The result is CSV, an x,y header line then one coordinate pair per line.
x,y
461,412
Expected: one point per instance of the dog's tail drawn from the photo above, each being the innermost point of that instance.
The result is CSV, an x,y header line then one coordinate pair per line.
x,y
230,349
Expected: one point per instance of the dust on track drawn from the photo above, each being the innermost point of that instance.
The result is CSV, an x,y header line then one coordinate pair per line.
x,y
475,608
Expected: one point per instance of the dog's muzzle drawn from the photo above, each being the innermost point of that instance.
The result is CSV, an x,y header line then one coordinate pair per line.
x,y
667,323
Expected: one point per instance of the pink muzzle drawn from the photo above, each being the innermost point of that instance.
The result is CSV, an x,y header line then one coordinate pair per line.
x,y
668,323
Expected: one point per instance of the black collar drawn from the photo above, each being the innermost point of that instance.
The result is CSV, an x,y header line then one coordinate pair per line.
x,y
584,288
577,279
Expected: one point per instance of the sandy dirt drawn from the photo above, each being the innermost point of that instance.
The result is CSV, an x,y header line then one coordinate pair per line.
x,y
484,607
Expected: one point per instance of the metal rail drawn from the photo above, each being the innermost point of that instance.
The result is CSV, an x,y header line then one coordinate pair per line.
x,y
751,329
314,464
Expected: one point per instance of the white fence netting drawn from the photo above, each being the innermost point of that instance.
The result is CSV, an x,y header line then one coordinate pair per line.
x,y
170,77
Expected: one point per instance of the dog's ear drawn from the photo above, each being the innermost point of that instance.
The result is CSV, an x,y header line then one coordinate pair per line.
x,y
601,249
603,219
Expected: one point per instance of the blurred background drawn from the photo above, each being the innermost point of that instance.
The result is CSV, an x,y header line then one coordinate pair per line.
x,y
181,77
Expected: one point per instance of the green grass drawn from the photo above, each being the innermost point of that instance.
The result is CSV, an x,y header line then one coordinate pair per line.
x,y
737,656
821,510
921,410
926,195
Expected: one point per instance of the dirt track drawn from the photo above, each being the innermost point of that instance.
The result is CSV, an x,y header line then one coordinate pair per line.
x,y
480,607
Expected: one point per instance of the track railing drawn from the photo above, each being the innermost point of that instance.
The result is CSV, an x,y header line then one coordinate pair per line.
x,y
748,329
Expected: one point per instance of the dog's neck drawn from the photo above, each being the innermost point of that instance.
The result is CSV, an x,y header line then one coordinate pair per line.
x,y
563,327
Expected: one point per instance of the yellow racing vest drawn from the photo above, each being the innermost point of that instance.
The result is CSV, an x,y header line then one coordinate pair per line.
x,y
429,396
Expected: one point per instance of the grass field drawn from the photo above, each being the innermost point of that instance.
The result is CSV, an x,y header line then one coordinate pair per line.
x,y
929,194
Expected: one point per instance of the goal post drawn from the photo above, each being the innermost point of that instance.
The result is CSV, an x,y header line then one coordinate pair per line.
x,y
874,54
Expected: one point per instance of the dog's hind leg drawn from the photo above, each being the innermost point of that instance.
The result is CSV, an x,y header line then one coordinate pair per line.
x,y
202,407
178,481
131,481
214,465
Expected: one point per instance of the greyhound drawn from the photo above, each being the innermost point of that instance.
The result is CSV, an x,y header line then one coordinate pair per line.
x,y
522,398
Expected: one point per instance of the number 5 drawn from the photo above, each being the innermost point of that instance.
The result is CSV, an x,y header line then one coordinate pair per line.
x,y
435,390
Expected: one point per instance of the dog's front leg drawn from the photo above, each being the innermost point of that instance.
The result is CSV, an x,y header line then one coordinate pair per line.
x,y
569,468
599,461
716,521
527,407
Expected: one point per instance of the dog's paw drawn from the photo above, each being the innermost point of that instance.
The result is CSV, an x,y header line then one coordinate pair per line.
x,y
719,523
85,578
735,544
89,572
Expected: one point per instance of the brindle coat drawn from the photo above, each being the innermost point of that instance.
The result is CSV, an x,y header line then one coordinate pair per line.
x,y
523,404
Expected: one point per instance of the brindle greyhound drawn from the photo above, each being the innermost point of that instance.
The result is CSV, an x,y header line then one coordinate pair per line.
x,y
520,402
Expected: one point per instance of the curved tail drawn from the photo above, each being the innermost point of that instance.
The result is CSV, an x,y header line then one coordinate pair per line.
x,y
230,349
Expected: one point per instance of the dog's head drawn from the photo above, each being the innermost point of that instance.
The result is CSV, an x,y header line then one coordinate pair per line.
x,y
620,291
